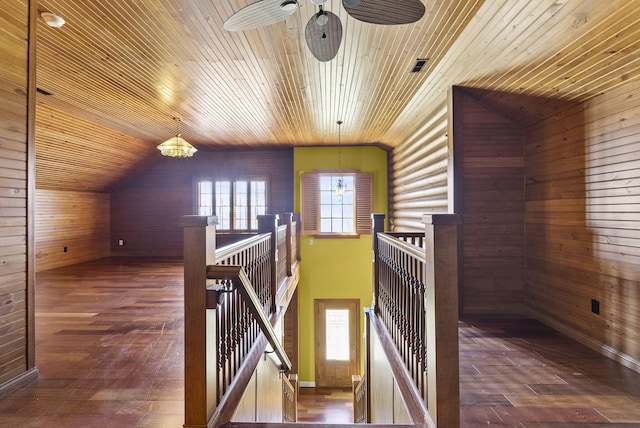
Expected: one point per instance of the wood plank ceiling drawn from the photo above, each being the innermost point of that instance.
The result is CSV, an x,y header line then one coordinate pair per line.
x,y
119,70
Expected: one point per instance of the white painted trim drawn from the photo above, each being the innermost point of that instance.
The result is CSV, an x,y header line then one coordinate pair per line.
x,y
307,384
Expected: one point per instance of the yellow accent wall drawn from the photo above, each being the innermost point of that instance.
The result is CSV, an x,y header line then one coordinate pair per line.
x,y
335,268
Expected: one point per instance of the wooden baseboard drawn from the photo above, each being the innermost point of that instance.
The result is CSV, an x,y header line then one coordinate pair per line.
x,y
18,382
596,345
578,336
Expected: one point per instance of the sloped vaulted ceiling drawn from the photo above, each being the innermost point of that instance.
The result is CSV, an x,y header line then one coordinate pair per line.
x,y
119,70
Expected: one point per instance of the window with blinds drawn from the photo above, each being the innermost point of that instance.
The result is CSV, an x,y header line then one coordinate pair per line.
x,y
324,212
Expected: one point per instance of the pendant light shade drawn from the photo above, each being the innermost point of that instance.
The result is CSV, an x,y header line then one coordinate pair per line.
x,y
176,146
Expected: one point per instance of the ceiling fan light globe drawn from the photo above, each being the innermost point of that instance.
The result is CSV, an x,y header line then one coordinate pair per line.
x,y
289,5
322,19
318,2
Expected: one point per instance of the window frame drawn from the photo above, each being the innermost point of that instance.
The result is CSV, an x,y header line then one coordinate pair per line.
x,y
310,203
252,224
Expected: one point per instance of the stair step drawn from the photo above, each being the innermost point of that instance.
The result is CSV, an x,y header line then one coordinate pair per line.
x,y
305,425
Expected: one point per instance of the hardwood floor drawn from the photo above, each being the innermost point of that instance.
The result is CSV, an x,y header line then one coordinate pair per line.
x,y
109,348
326,405
110,354
520,373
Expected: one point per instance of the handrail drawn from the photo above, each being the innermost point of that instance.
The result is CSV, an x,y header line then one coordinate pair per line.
x,y
403,246
415,238
228,251
239,277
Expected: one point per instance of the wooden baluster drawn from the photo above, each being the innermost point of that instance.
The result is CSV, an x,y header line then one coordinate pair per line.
x,y
269,224
225,325
235,313
220,349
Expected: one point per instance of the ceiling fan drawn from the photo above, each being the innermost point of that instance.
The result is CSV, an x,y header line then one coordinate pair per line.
x,y
324,30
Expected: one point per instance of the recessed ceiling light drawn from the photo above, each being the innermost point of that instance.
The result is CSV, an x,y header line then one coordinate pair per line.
x,y
52,19
289,5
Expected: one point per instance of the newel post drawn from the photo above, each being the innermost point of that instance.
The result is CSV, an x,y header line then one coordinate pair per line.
x,y
287,219
199,252
377,225
268,223
297,219
441,311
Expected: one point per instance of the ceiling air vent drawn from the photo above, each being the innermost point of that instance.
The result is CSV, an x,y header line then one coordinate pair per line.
x,y
43,92
417,68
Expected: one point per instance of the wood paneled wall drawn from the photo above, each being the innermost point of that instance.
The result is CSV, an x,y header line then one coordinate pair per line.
x,y
488,156
418,175
71,227
17,93
81,155
145,211
583,222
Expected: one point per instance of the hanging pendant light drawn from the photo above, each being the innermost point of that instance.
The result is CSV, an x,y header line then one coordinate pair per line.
x,y
340,187
176,146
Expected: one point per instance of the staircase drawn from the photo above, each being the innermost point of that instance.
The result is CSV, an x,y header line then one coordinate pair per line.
x,y
236,298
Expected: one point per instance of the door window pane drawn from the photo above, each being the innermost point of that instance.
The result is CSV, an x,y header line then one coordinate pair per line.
x,y
337,334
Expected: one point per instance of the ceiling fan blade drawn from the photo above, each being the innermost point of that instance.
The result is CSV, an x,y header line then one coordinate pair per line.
x,y
259,14
385,12
324,40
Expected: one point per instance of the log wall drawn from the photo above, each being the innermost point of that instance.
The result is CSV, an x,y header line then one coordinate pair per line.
x,y
71,227
418,175
583,222
550,211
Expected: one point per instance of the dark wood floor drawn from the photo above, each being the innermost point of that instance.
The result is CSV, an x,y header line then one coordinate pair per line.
x,y
109,343
520,373
325,405
110,354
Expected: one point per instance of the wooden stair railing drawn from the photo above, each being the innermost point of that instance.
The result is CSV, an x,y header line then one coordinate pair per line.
x,y
238,280
290,398
359,390
233,297
415,316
